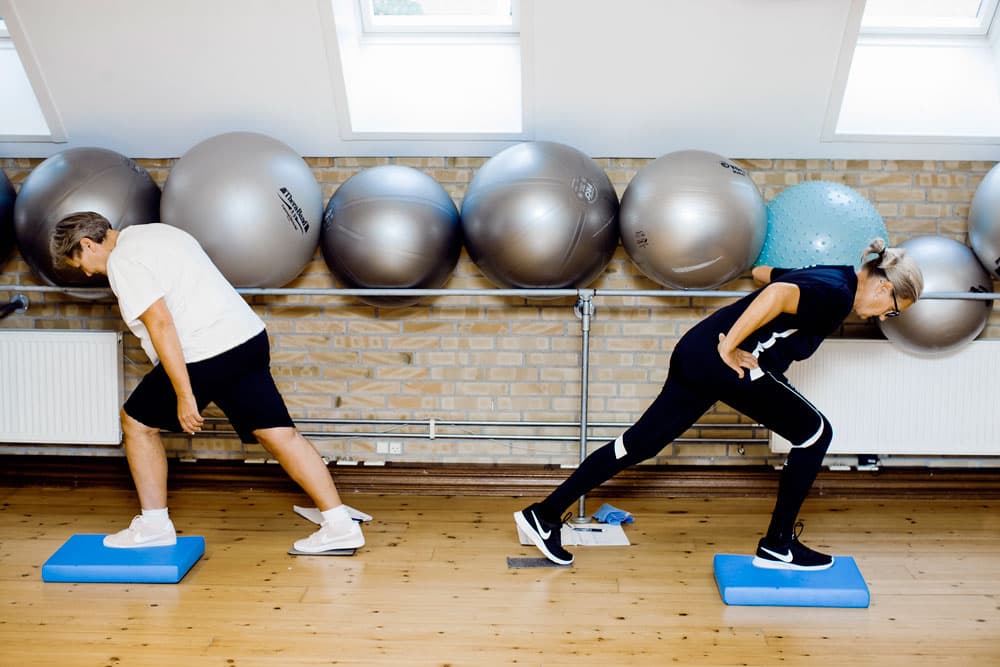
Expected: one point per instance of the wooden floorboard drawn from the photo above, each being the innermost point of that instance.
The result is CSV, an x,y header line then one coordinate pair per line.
x,y
432,586
511,480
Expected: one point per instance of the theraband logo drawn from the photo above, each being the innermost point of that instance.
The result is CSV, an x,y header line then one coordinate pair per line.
x,y
584,189
134,166
739,171
293,211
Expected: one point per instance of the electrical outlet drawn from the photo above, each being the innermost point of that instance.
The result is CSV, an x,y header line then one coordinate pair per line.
x,y
395,447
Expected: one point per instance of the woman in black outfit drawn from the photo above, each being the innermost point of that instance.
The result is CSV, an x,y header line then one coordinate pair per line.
x,y
738,355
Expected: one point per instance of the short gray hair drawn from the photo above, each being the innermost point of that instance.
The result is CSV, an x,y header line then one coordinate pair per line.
x,y
71,230
895,266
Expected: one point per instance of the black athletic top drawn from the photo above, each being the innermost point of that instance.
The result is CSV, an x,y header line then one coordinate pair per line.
x,y
826,297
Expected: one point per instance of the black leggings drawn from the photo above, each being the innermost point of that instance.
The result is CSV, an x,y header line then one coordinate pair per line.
x,y
690,390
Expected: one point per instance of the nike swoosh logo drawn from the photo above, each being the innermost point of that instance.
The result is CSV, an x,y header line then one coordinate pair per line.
x,y
538,527
142,539
784,558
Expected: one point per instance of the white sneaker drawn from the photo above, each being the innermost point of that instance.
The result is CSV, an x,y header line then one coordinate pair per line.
x,y
142,533
325,539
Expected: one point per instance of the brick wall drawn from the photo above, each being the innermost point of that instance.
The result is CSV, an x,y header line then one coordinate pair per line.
x,y
502,359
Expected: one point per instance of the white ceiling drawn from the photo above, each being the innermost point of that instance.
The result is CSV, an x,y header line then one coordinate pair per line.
x,y
634,78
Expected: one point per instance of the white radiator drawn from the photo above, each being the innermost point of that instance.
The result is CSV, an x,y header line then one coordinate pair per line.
x,y
60,387
882,400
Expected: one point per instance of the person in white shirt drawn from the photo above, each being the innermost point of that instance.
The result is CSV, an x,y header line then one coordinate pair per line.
x,y
207,345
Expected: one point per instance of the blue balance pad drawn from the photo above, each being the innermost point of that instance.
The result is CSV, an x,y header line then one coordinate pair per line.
x,y
740,583
84,558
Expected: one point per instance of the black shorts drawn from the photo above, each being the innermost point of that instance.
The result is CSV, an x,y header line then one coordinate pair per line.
x,y
238,381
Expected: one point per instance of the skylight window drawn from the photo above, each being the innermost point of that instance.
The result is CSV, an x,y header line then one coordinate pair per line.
x,y
920,70
427,68
928,17
439,15
21,115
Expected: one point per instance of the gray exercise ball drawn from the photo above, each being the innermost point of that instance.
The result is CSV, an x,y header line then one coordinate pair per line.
x,y
7,196
984,221
540,215
253,204
692,219
391,227
937,326
75,181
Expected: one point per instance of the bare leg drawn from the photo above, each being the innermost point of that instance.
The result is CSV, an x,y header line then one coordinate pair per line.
x,y
302,463
148,462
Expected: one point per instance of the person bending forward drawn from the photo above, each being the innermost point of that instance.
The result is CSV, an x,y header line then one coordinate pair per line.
x,y
738,355
207,345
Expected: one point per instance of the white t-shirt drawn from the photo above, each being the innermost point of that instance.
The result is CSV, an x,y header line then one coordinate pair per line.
x,y
155,261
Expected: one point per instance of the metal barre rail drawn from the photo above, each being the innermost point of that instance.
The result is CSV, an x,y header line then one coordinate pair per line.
x,y
526,293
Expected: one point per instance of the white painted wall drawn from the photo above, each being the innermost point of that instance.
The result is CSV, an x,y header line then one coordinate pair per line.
x,y
153,78
734,77
744,78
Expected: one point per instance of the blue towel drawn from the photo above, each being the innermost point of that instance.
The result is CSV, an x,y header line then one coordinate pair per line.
x,y
612,515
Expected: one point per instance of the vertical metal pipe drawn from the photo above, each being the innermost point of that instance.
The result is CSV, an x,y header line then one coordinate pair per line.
x,y
584,309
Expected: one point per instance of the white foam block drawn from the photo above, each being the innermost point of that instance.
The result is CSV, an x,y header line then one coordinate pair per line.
x,y
591,535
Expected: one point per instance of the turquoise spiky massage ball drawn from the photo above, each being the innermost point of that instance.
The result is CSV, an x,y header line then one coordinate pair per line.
x,y
819,222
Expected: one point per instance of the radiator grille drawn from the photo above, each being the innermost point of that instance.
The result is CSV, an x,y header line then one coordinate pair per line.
x,y
60,387
882,400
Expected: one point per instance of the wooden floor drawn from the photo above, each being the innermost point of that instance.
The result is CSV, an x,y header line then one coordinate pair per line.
x,y
432,587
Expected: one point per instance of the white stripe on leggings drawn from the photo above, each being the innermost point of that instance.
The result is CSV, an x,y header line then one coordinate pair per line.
x,y
822,426
620,447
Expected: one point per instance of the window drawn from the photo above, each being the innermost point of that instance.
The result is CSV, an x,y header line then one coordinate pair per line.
x,y
924,70
427,68
439,15
22,117
928,17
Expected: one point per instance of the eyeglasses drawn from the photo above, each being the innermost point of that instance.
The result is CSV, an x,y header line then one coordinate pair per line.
x,y
895,306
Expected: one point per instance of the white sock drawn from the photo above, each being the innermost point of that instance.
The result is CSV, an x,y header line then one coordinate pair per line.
x,y
338,518
156,517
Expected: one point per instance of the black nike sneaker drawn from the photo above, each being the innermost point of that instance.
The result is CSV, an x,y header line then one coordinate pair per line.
x,y
546,535
789,554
